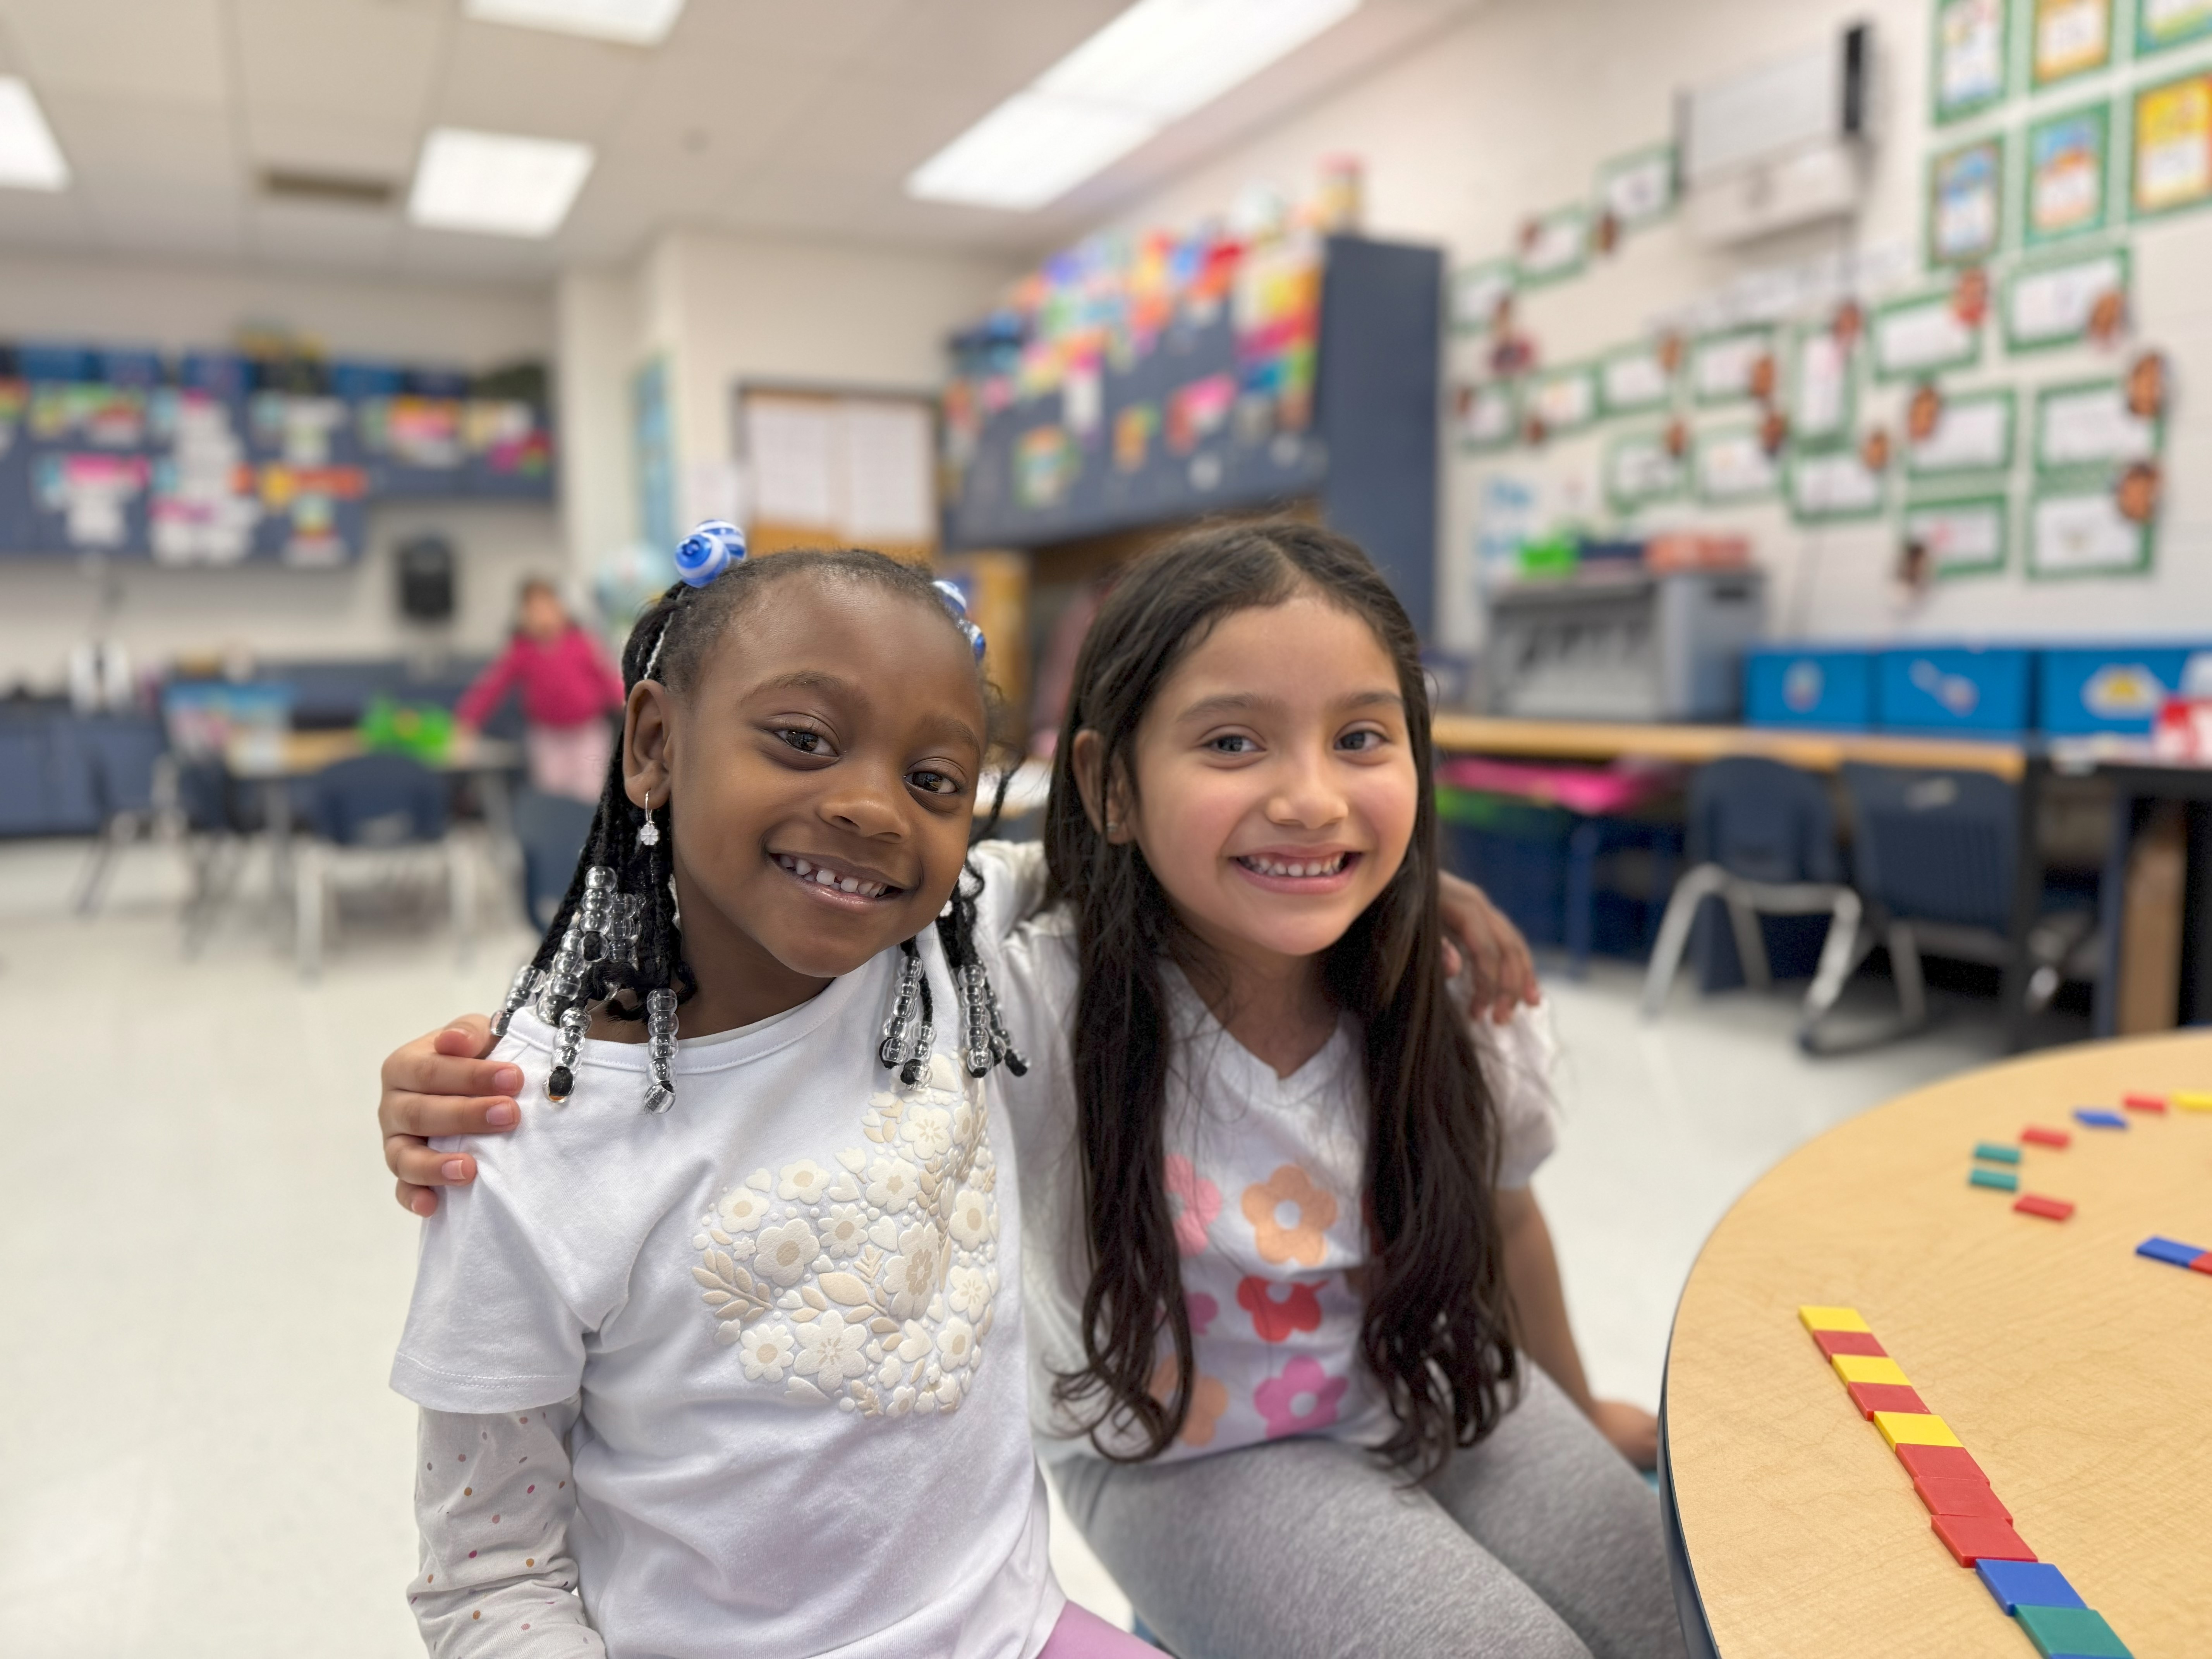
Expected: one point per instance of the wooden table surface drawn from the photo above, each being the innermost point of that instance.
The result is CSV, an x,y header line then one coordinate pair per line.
x,y
2077,1374
1811,752
303,754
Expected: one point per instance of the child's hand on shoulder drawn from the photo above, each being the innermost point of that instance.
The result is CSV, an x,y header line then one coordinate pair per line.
x,y
440,1084
1501,972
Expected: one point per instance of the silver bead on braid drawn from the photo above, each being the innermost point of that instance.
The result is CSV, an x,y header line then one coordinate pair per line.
x,y
975,1023
561,1082
580,943
517,993
905,1017
661,1050
626,917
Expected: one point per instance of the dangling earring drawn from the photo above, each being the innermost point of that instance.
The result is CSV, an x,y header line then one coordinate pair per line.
x,y
648,833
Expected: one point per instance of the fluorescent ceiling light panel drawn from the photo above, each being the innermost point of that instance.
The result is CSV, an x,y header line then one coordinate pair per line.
x,y
1153,64
1030,150
496,183
633,22
30,157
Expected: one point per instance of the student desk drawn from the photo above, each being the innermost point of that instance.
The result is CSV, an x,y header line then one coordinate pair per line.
x,y
2073,1370
2017,764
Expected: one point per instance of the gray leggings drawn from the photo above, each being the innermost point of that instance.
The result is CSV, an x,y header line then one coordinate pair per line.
x,y
1540,1543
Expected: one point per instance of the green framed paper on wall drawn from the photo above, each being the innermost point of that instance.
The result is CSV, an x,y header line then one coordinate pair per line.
x,y
1971,60
2088,424
1475,291
2062,302
1965,535
1920,335
1565,399
1554,246
2069,38
1640,470
1834,486
1725,367
1632,381
1823,390
2170,157
1488,417
2068,160
1965,214
1639,189
1731,466
1972,432
2075,528
2163,23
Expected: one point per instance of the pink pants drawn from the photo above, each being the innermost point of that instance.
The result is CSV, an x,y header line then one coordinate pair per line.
x,y
1083,1635
569,760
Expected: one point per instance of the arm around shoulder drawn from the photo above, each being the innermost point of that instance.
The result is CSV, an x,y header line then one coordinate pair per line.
x,y
493,1501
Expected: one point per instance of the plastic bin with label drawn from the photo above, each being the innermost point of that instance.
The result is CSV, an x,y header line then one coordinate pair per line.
x,y
1956,690
2081,689
1831,687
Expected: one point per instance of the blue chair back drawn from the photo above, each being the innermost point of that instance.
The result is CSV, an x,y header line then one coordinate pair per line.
x,y
1764,821
552,830
378,800
1936,846
120,755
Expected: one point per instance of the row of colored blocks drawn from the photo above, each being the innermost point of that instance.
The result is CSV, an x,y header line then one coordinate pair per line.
x,y
1966,1513
1987,1153
2174,1253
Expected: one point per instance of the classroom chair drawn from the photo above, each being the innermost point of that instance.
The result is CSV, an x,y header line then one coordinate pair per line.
x,y
381,811
1935,853
134,791
552,830
1762,840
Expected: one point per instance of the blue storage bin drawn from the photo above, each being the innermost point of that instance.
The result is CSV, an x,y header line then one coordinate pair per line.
x,y
46,360
364,379
2110,688
1826,686
132,366
1960,690
218,373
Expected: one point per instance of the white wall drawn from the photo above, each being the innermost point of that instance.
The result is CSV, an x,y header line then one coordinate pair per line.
x,y
47,606
1511,112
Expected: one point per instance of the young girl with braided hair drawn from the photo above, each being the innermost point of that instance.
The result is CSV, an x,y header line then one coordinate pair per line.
x,y
729,1340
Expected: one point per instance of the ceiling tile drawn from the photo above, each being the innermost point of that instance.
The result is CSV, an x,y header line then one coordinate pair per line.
x,y
747,39
317,141
132,142
991,46
352,238
144,218
530,81
170,51
39,218
347,57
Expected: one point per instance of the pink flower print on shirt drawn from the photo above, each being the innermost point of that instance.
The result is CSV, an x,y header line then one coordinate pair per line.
x,y
1275,1321
1303,1399
1291,1188
1203,1311
1196,1202
1209,1398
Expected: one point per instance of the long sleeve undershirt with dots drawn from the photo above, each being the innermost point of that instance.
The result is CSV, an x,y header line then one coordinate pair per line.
x,y
493,1501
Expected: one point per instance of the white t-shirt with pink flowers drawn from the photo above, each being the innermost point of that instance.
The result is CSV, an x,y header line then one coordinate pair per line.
x,y
1266,1174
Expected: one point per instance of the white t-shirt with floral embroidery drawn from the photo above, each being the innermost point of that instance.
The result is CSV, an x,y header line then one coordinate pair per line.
x,y
1264,1173
793,1307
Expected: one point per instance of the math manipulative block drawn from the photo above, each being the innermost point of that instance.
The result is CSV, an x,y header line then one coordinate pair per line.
x,y
1832,1343
1870,1368
1951,1462
2027,1584
2202,1264
1995,1152
2098,1117
2171,1251
2004,1180
1872,1397
1914,1428
1972,1538
2050,1209
2070,1632
1954,1494
2143,1102
2036,1135
2192,1100
1830,1319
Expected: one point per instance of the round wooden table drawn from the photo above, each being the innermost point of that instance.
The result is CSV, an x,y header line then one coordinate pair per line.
x,y
2078,1374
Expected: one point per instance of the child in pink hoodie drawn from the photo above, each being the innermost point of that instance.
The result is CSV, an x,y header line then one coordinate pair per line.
x,y
569,689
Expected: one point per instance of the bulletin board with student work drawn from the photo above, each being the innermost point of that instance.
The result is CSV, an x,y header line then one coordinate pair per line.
x,y
193,464
1135,381
1990,393
827,467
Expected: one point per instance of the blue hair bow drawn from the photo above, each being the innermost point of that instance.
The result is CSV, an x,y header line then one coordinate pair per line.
x,y
709,550
956,602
